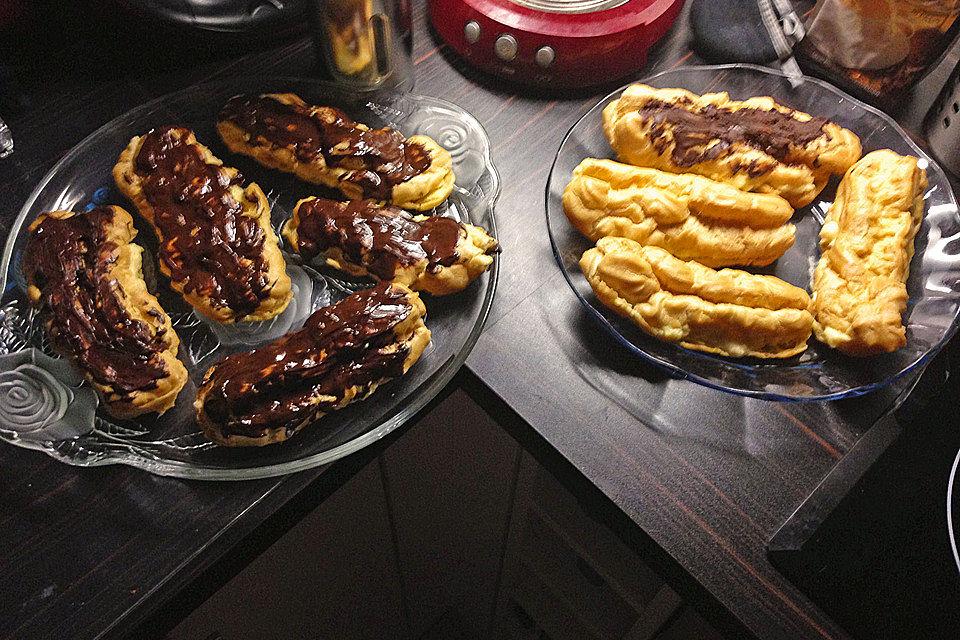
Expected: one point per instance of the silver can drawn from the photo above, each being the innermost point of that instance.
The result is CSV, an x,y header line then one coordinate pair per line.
x,y
365,44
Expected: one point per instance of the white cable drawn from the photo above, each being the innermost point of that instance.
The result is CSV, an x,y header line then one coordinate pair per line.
x,y
953,539
775,20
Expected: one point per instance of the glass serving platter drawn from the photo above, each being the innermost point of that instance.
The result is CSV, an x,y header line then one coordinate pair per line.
x,y
45,405
820,373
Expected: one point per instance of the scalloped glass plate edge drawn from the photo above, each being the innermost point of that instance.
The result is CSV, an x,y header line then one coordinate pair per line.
x,y
677,371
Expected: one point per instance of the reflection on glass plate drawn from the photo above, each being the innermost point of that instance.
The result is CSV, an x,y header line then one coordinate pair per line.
x,y
41,397
172,444
307,298
819,373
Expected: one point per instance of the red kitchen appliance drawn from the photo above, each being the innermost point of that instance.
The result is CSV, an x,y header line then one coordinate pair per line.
x,y
556,43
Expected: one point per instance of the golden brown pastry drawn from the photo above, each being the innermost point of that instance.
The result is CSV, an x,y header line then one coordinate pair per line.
x,y
729,312
426,253
323,145
216,243
754,144
342,354
692,217
859,290
85,277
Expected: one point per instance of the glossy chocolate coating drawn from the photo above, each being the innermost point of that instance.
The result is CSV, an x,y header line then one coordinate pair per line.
x,y
280,385
377,238
205,241
377,159
69,261
772,132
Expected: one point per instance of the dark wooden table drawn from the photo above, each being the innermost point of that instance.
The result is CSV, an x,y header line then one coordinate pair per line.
x,y
696,479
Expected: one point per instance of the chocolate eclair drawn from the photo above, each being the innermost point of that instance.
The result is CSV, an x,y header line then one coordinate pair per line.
x,y
341,354
85,278
426,253
754,144
323,145
216,243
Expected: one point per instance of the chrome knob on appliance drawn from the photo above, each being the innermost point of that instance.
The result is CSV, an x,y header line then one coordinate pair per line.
x,y
545,56
471,31
506,47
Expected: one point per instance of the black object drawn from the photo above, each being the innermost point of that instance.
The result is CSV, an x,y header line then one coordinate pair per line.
x,y
114,38
13,101
871,544
730,31
225,16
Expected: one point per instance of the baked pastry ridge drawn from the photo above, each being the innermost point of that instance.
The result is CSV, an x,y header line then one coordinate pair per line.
x,y
342,353
754,144
323,145
85,277
866,242
216,243
727,312
426,253
692,217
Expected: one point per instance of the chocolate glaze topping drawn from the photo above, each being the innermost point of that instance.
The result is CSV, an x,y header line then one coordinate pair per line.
x,y
377,238
69,260
772,132
205,240
377,159
340,346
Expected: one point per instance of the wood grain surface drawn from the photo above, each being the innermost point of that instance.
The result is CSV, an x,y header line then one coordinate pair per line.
x,y
695,478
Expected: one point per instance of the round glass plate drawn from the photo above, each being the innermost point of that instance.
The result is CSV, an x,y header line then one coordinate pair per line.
x,y
59,408
820,373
